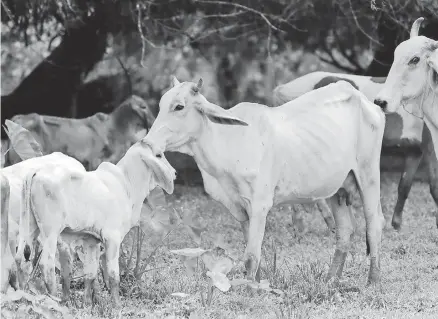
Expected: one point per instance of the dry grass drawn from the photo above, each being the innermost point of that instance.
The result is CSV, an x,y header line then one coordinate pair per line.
x,y
409,268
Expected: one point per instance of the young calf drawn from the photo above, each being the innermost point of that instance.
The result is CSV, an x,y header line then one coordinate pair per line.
x,y
97,206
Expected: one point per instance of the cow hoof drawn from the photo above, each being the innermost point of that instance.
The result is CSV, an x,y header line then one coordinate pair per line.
x,y
396,224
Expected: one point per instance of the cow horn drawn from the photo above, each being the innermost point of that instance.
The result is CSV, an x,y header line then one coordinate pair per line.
x,y
416,27
198,86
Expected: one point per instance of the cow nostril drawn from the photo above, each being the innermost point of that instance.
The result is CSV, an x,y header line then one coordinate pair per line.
x,y
158,155
383,104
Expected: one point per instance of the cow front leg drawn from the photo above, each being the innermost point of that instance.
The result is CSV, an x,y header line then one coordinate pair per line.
x,y
344,231
112,248
256,232
404,187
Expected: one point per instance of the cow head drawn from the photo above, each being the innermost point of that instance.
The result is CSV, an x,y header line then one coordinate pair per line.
x,y
184,113
412,74
134,114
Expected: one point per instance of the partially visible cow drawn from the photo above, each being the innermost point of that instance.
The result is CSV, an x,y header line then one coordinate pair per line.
x,y
253,157
412,85
7,262
100,206
403,131
98,138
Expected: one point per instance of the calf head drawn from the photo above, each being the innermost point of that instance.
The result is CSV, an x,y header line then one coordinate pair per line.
x,y
412,74
163,174
183,114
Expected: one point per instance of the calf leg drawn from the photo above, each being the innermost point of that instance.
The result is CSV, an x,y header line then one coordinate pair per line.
x,y
91,266
404,187
344,232
47,263
65,259
256,231
112,247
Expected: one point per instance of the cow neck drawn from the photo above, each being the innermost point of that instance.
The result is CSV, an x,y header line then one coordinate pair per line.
x,y
429,107
209,148
138,177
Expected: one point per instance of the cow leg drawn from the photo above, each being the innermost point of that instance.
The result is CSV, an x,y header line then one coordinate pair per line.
x,y
432,165
91,266
404,187
47,263
369,186
344,232
65,259
326,214
104,269
256,232
112,248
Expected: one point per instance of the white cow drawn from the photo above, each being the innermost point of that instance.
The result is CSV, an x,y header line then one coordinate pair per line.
x,y
412,84
402,136
253,157
96,206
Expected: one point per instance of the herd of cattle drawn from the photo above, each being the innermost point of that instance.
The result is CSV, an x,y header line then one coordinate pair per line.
x,y
320,144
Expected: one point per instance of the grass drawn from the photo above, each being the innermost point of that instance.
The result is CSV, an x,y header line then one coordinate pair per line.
x,y
409,286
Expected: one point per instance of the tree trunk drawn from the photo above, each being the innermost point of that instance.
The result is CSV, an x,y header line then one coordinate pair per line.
x,y
391,35
50,87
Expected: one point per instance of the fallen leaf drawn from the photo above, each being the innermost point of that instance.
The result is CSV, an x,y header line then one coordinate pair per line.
x,y
239,282
219,280
214,263
180,294
189,252
191,264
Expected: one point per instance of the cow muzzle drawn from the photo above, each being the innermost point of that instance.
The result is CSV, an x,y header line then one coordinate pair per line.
x,y
382,103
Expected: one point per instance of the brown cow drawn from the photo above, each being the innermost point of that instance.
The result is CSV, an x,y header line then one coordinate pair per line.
x,y
92,140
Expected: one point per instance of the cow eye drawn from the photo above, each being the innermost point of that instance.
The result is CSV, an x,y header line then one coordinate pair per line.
x,y
414,60
179,107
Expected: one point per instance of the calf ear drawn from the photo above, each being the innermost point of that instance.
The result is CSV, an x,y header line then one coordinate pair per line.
x,y
218,115
163,173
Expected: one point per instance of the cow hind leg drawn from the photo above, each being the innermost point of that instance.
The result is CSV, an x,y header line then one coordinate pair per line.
x,y
369,186
404,187
326,213
344,232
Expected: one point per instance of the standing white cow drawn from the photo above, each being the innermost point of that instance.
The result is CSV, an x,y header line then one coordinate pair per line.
x,y
96,206
253,157
412,83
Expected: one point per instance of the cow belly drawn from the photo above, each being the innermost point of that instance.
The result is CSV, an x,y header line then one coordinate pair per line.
x,y
310,184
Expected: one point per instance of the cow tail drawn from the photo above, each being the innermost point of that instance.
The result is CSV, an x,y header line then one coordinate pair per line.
x,y
26,218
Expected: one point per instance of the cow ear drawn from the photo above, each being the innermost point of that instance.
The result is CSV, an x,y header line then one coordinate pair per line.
x,y
218,115
432,60
163,172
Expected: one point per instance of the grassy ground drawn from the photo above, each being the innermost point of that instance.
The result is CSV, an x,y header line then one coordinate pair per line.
x,y
409,268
